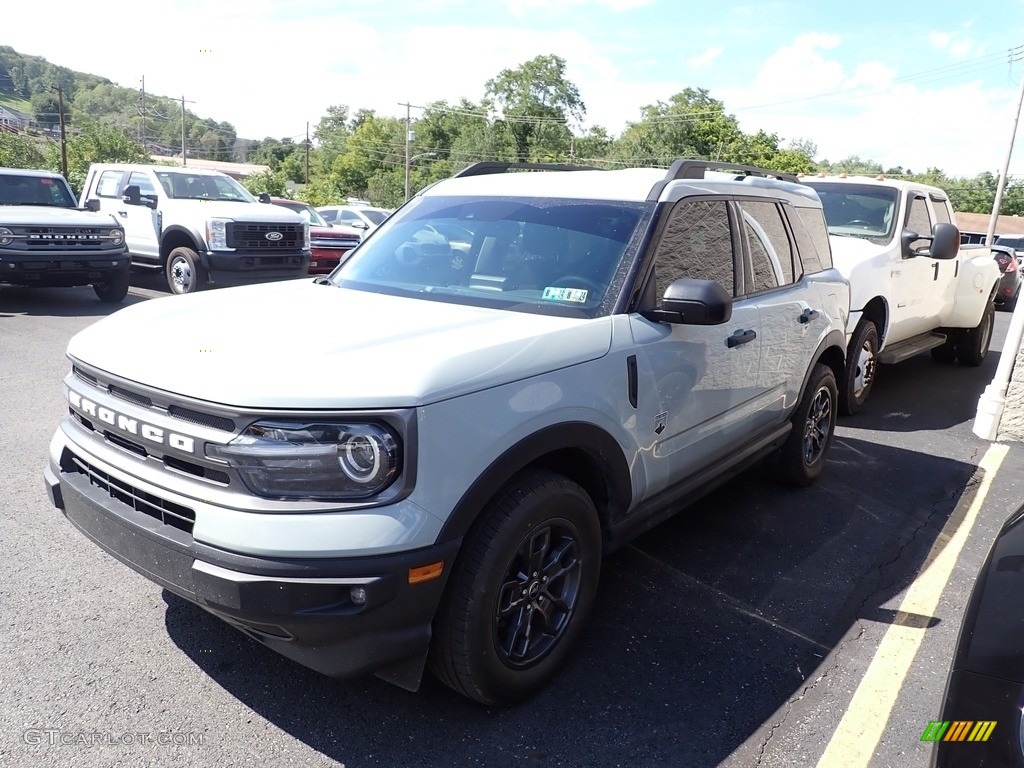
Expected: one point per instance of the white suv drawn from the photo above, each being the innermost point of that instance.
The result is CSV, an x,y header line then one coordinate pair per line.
x,y
363,217
440,479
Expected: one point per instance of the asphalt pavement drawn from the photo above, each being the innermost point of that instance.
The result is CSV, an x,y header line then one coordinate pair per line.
x,y
735,634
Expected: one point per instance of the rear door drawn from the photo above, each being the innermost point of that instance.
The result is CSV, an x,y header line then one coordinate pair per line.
x,y
695,383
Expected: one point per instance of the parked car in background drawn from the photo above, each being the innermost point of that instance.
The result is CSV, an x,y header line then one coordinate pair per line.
x,y
363,217
328,243
1012,241
1009,286
46,240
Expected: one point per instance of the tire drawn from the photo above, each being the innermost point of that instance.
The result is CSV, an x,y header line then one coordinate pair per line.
x,y
861,368
803,456
184,271
973,347
114,289
477,649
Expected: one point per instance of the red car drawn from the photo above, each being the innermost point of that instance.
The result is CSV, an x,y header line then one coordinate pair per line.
x,y
328,243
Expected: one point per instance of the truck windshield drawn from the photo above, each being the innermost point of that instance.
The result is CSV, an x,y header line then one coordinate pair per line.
x,y
16,189
545,256
858,210
197,186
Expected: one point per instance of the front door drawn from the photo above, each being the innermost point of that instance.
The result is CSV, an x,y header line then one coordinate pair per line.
x,y
141,223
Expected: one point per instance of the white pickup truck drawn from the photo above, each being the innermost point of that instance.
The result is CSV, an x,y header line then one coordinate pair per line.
x,y
911,287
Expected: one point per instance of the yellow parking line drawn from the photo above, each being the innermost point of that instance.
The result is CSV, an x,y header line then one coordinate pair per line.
x,y
855,739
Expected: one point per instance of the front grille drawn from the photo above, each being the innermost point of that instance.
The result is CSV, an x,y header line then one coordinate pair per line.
x,y
131,397
167,512
246,235
202,419
86,377
41,238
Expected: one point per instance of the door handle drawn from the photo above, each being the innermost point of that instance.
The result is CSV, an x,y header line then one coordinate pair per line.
x,y
808,315
123,214
741,337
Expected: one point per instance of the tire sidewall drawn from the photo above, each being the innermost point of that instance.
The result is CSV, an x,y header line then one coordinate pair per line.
x,y
849,401
973,349
189,256
796,468
113,290
565,504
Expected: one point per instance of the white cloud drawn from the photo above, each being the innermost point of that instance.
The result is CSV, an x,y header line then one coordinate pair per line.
x,y
521,8
706,58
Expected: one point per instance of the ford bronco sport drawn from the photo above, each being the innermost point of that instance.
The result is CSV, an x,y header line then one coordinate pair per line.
x,y
438,480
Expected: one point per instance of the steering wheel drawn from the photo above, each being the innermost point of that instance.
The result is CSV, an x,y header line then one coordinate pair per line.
x,y
861,222
575,281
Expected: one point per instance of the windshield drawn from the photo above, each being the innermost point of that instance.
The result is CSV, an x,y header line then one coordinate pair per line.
x,y
526,254
195,186
16,189
858,210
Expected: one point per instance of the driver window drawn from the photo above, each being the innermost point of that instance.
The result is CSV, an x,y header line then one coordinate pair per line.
x,y
141,180
919,222
696,243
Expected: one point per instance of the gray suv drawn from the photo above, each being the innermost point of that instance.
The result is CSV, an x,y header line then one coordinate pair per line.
x,y
438,481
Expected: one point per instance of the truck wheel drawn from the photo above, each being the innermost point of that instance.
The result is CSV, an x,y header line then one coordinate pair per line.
x,y
947,352
973,347
521,592
861,368
184,272
802,457
113,289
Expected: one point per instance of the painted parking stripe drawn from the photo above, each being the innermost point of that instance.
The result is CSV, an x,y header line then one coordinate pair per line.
x,y
865,720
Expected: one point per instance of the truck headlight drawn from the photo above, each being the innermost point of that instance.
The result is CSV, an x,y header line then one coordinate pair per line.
x,y
217,234
117,236
6,236
313,461
305,236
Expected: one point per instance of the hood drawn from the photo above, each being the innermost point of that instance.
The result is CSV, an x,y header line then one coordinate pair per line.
x,y
297,344
850,252
53,216
237,211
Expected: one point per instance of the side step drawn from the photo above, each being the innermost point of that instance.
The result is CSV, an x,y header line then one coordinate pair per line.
x,y
897,353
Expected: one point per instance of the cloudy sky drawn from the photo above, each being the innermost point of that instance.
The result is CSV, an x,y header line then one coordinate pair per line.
x,y
912,84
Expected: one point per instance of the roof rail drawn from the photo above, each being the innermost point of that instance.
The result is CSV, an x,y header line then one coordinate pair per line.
x,y
696,169
485,168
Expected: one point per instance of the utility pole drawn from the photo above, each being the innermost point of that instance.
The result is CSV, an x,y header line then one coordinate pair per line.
x,y
63,132
307,152
184,153
408,133
990,236
142,112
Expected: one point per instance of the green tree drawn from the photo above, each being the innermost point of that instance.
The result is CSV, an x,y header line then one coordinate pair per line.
x,y
536,102
20,152
265,181
94,143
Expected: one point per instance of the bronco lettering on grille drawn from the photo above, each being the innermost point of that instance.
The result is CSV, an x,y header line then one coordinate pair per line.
x,y
131,426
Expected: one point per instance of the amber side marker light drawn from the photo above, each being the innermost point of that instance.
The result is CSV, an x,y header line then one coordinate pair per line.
x,y
425,572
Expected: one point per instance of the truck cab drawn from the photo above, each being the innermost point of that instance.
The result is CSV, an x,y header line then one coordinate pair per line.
x,y
199,227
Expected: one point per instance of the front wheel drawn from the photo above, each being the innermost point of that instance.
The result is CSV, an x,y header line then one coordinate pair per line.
x,y
184,271
861,368
973,347
113,289
521,592
805,451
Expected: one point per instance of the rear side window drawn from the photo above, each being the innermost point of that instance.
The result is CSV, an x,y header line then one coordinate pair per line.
x,y
941,211
696,244
108,183
770,249
812,239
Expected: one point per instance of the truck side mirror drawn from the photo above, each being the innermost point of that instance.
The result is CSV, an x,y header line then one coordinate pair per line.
x,y
264,197
132,196
945,241
92,205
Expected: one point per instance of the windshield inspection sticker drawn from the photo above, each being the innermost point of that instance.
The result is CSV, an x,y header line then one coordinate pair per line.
x,y
577,295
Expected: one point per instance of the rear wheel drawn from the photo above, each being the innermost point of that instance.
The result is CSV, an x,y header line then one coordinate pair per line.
x,y
861,368
113,289
946,353
805,451
184,271
973,347
521,592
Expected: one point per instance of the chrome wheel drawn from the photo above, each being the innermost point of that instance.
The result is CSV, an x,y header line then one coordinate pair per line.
x,y
865,374
182,279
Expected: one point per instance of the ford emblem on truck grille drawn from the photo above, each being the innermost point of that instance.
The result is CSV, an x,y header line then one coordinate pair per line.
x,y
274,235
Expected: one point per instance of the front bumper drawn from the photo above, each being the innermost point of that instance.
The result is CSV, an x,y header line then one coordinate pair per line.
x,y
303,608
324,260
60,268
245,267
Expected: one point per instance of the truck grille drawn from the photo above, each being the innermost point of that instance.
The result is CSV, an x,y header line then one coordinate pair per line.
x,y
245,235
167,512
41,238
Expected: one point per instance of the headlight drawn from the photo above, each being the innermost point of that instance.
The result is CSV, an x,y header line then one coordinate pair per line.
x,y
217,234
117,236
6,236
315,461
305,235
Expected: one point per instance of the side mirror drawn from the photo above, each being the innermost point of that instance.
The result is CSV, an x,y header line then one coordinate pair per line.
x,y
92,205
360,225
693,302
150,202
264,197
132,195
945,241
